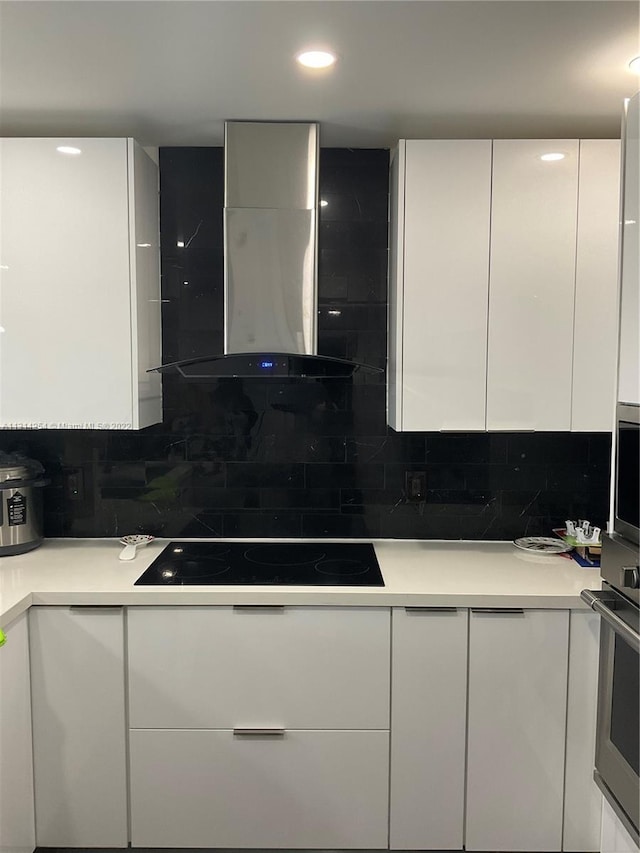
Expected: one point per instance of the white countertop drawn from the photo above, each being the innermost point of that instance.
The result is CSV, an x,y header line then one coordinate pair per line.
x,y
416,572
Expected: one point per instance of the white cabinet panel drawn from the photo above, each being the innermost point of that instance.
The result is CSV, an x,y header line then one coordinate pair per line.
x,y
615,837
443,230
17,829
629,375
294,667
428,729
596,303
79,292
516,730
306,789
77,677
582,799
533,240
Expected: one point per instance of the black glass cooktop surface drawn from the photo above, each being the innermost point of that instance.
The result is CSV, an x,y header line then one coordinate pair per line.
x,y
270,563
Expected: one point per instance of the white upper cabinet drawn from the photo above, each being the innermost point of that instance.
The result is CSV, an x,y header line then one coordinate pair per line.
x,y
80,285
629,375
440,281
596,304
533,240
503,271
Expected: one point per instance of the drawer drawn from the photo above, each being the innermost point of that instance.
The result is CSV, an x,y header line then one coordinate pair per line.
x,y
293,667
304,789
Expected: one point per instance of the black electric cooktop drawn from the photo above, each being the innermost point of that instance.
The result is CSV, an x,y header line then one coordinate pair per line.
x,y
270,563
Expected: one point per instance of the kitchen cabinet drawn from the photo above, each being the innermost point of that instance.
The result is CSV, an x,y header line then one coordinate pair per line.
x,y
595,323
79,286
532,283
503,271
428,728
282,712
17,827
629,365
582,799
615,835
439,283
79,732
516,729
304,789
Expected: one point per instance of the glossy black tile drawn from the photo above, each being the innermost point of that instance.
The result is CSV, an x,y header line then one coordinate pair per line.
x,y
301,499
548,447
364,526
265,474
347,475
393,447
263,525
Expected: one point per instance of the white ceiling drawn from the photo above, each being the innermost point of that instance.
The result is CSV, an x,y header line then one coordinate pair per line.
x,y
170,71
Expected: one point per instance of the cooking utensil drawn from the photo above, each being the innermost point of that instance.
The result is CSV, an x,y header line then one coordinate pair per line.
x,y
131,543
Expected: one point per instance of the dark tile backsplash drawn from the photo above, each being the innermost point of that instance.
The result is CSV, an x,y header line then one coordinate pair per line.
x,y
312,458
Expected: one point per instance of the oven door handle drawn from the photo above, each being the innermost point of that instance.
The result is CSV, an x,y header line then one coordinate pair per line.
x,y
612,619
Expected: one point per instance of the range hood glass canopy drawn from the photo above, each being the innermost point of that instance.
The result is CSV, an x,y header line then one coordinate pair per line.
x,y
270,258
250,364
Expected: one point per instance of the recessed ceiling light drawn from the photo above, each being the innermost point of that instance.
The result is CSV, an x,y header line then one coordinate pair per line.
x,y
634,65
323,202
68,149
551,156
316,58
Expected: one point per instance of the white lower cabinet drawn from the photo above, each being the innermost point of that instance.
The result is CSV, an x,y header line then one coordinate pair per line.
x,y
17,833
79,731
259,726
428,728
582,799
272,727
516,729
301,789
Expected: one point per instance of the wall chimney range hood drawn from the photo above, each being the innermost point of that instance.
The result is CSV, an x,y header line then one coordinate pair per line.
x,y
270,258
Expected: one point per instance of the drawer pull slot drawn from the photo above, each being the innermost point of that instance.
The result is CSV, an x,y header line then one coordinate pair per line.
x,y
248,732
259,608
499,610
431,609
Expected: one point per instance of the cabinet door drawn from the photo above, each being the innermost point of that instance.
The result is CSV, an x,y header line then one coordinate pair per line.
x,y
629,376
17,833
292,667
77,677
69,350
596,306
615,835
303,789
444,282
145,285
428,721
516,730
532,285
582,799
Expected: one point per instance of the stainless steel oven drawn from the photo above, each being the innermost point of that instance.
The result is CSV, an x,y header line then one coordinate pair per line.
x,y
617,759
627,472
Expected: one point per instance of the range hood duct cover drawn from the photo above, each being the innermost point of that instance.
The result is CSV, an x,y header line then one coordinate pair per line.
x,y
270,257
